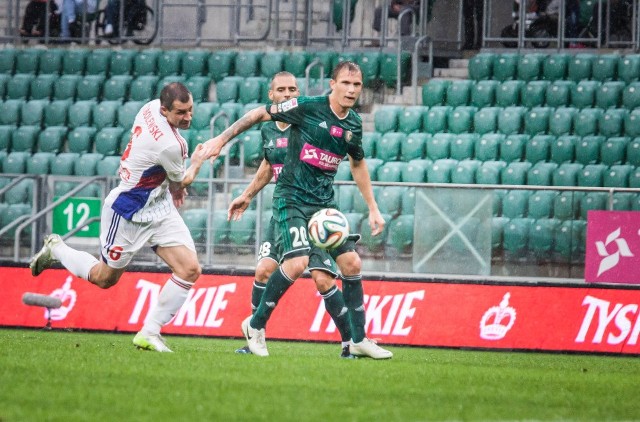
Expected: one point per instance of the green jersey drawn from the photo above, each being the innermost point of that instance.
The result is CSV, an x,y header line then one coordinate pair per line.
x,y
274,144
318,143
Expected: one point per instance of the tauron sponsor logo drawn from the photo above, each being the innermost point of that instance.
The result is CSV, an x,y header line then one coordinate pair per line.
x,y
620,322
317,157
610,260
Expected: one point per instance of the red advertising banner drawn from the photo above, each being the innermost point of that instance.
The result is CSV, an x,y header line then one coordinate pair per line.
x,y
587,319
613,247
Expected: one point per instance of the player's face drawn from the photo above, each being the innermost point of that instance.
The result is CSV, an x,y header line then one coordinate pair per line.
x,y
346,89
180,114
283,88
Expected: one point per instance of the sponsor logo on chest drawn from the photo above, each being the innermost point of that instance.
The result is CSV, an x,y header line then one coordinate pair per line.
x,y
324,160
282,142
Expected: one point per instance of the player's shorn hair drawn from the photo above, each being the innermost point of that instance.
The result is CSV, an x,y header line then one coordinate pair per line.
x,y
351,66
174,91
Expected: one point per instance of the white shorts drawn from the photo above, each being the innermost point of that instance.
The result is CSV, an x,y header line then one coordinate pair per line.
x,y
121,239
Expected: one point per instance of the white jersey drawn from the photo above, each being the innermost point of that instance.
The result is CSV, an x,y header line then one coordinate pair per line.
x,y
154,156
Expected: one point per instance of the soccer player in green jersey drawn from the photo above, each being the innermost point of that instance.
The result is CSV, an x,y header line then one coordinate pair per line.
x,y
275,137
324,130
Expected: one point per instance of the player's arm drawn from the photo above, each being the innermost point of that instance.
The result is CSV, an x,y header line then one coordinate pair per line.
x,y
214,146
178,188
361,176
260,180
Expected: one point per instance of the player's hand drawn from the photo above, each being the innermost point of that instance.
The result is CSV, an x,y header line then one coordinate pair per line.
x,y
237,208
198,156
178,196
213,148
376,222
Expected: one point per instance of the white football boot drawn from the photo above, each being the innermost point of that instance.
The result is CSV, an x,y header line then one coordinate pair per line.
x,y
44,259
368,348
255,338
153,342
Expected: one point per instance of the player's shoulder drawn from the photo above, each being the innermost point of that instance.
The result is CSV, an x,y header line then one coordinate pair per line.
x,y
355,116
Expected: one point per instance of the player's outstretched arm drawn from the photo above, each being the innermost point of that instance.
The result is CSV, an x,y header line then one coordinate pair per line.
x,y
213,146
361,176
178,189
260,180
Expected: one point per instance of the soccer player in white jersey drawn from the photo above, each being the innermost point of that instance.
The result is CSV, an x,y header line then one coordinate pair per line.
x,y
142,210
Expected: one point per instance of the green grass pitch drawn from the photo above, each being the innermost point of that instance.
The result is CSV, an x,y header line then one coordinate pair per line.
x,y
73,376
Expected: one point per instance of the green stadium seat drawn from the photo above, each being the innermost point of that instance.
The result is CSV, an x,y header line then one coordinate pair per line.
x,y
63,163
617,176
24,139
593,201
18,86
586,121
126,138
508,93
122,62
541,204
609,94
515,173
227,90
127,112
296,63
410,119
74,60
373,165
202,114
483,93
40,163
460,119
385,118
489,172
344,171
633,152
629,68
554,67
530,66
505,67
199,87
481,66
86,164
634,179
232,110
459,92
390,200
488,146
80,139
515,203
15,162
12,213
105,114
194,63
116,88
143,88
388,146
7,60
271,63
65,87
611,123
10,112
592,175
391,171
55,113
533,93
27,60
170,63
497,230
400,234
583,94
605,67
389,68
220,64
465,172
98,62
415,171
438,146
463,145
435,120
510,120
536,120
80,113
537,148
247,63
32,112
631,96
369,62
542,238
623,201
409,201
558,93
613,150
41,87
588,149
90,88
440,171
250,90
561,121
52,139
434,92
196,221
566,205
5,137
563,149
485,120
579,67
4,79
566,174
541,174
369,140
107,141
253,150
372,243
350,56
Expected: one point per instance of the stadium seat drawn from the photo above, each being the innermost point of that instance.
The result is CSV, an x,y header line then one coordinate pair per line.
x,y
536,120
105,114
561,121
510,120
247,63
465,172
462,146
65,87
15,162
170,63
196,221
4,79
505,67
542,238
296,62
385,119
629,68
24,139
583,94
388,147
409,201
623,201
516,237
122,62
508,93
220,64
489,172
485,120
32,112
515,173
459,93
391,171
634,178
541,204
86,164
435,120
563,149
80,139
373,164
593,201
617,176
253,150
410,119
18,86
143,88
271,63
554,67
227,90
40,163
460,119
530,66
199,87
588,149
566,174
55,113
373,243
52,139
202,114
434,92
515,203
586,121
558,93
98,62
613,150
80,113
89,88
107,140
481,66
15,212
633,152
537,148
488,146
250,90
541,173
116,88
512,147
609,94
438,146
7,60
415,171
483,93
194,63
631,96
10,112
605,67
390,200
611,123
566,205
389,68
242,232
534,93
41,87
400,234
497,230
127,112
440,171
74,60
27,60
345,196
592,175
579,67
369,141
5,138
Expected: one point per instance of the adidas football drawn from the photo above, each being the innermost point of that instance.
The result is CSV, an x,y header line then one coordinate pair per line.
x,y
328,228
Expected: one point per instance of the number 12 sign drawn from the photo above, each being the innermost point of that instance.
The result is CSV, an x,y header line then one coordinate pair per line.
x,y
75,212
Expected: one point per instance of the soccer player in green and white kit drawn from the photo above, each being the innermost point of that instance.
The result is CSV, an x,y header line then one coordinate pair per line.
x,y
275,136
324,130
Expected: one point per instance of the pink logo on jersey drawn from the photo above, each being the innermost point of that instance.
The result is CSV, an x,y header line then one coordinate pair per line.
x,y
336,131
320,158
277,169
282,142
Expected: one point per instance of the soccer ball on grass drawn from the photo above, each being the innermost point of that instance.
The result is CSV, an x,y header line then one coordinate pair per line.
x,y
328,228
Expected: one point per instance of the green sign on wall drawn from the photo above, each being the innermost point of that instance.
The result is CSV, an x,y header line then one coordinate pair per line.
x,y
75,212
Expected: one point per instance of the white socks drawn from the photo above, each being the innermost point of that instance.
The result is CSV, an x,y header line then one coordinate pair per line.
x,y
171,298
79,263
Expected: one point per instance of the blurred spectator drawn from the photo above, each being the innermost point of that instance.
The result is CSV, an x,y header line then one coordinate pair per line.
x,y
35,18
72,11
472,11
134,10
395,8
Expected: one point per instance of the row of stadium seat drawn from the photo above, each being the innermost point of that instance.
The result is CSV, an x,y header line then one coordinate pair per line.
x,y
508,120
555,66
217,64
488,93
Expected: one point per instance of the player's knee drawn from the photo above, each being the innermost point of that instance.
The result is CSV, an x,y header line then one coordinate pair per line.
x,y
264,270
191,272
293,268
106,282
324,283
350,263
